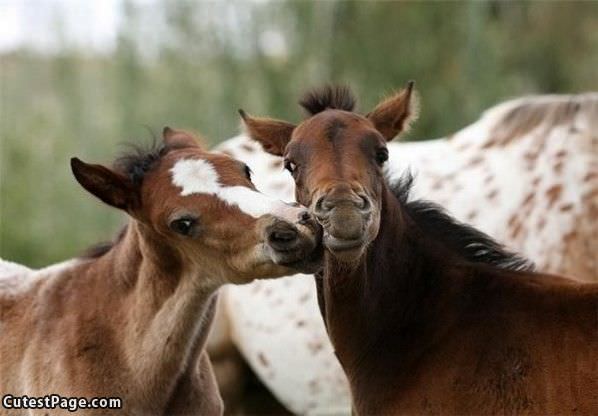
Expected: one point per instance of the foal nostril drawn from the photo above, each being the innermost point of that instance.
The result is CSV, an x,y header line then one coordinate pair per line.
x,y
365,203
323,206
329,205
283,239
283,236
304,217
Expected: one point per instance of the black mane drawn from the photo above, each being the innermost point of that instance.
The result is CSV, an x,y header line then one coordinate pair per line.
x,y
328,97
140,160
465,240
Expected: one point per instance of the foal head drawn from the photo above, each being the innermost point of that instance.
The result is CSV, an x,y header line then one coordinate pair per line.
x,y
202,209
336,157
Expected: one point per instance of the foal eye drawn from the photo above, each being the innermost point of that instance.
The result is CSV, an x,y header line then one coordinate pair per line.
x,y
248,172
290,166
183,226
382,155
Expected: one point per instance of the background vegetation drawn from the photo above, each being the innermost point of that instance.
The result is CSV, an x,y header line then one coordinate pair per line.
x,y
192,64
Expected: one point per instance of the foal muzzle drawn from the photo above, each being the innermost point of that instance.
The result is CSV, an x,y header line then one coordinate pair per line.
x,y
345,217
295,244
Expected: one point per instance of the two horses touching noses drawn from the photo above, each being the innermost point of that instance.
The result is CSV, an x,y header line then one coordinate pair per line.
x,y
130,320
426,314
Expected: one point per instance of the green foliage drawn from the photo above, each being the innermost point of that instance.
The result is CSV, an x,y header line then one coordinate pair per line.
x,y
202,61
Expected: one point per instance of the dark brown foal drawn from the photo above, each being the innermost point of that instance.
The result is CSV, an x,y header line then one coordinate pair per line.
x,y
428,315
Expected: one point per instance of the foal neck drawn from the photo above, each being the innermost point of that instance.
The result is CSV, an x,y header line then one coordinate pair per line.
x,y
385,309
167,311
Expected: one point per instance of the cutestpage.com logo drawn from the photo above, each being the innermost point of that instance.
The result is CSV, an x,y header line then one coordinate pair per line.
x,y
53,401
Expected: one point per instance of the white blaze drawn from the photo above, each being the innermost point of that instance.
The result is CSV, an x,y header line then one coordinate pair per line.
x,y
195,176
198,176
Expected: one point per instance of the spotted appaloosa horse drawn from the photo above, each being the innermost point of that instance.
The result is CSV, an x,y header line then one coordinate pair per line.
x,y
526,173
427,314
131,319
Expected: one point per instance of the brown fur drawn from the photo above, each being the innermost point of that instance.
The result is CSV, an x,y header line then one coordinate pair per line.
x,y
526,116
131,320
428,315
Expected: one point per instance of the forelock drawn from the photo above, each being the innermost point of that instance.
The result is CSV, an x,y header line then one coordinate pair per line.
x,y
328,97
139,160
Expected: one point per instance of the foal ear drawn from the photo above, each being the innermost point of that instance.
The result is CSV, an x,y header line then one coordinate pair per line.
x,y
111,187
394,115
274,135
178,138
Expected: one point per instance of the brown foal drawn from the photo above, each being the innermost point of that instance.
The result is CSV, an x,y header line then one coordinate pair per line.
x,y
427,315
130,320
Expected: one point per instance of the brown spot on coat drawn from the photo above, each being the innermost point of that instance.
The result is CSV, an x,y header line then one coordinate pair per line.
x,y
262,358
570,236
315,346
590,197
490,143
474,161
590,176
492,194
516,230
528,198
531,157
512,220
553,194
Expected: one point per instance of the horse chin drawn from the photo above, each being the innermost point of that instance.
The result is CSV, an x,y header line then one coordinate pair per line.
x,y
348,259
301,260
309,264
346,241
344,255
349,252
